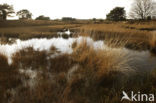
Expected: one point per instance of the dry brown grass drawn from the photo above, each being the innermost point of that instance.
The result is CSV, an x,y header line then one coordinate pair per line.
x,y
61,63
96,71
152,39
29,58
152,42
9,79
36,29
100,30
26,23
85,76
103,60
39,31
116,41
134,36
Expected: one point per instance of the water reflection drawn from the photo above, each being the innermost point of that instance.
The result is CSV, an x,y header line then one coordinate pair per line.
x,y
142,60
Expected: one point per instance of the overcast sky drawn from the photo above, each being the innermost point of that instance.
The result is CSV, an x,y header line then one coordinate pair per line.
x,y
82,9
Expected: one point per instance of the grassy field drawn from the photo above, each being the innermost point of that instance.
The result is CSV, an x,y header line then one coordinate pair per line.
x,y
87,75
137,35
33,29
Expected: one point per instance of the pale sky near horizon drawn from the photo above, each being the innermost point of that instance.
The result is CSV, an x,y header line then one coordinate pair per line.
x,y
56,9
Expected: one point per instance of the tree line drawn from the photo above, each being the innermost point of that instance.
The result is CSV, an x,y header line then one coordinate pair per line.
x,y
140,10
6,11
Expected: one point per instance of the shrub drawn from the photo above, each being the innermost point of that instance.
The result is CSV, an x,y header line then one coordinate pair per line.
x,y
42,17
117,14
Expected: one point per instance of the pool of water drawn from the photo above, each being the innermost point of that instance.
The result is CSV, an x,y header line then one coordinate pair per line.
x,y
142,60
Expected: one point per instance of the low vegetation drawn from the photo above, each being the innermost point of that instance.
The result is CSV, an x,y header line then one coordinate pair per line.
x,y
9,79
28,32
137,36
87,75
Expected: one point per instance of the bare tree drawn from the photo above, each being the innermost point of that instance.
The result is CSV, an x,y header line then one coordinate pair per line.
x,y
142,9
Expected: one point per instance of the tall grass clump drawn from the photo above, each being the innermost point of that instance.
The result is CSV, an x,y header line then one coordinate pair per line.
x,y
61,63
152,42
105,60
87,75
9,79
28,58
116,41
137,39
99,73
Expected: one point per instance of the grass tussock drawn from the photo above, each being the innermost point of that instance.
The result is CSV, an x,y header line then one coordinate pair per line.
x,y
80,77
152,40
9,79
61,63
102,60
30,58
87,75
53,50
119,34
115,41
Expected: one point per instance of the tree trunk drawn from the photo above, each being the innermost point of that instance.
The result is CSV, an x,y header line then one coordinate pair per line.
x,y
4,14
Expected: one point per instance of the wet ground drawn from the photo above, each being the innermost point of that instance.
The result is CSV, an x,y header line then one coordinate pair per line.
x,y
142,60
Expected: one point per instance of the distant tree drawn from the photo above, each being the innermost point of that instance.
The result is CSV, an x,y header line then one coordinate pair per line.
x,y
6,10
24,14
42,17
149,18
143,9
1,15
117,14
94,19
68,19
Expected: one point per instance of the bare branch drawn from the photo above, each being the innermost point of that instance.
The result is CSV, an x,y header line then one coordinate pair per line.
x,y
142,9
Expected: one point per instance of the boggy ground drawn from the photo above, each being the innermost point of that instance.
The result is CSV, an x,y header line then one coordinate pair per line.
x,y
138,35
87,75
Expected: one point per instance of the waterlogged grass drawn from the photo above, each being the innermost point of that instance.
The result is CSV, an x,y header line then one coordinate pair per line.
x,y
138,36
28,32
9,79
87,75
30,58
